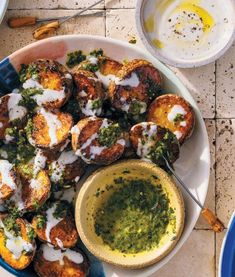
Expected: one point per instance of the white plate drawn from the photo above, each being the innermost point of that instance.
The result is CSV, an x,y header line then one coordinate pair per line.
x,y
194,163
3,8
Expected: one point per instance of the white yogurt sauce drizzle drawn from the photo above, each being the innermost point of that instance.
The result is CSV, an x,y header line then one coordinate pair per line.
x,y
48,95
133,81
1,124
148,131
178,134
67,194
50,254
66,157
14,110
53,124
88,109
176,109
106,79
51,221
6,175
39,162
16,244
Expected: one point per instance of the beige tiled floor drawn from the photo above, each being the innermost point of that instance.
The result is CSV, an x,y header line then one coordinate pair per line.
x,y
212,86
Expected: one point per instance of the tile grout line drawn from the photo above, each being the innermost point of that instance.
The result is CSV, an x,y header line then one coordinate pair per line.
x,y
215,192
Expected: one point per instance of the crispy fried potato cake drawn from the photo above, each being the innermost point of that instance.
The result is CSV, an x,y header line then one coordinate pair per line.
x,y
137,85
89,93
175,113
152,142
10,112
17,244
54,262
8,180
52,78
50,129
98,140
56,225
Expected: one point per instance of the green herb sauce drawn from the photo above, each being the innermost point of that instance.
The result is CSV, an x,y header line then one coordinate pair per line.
x,y
135,217
75,58
108,136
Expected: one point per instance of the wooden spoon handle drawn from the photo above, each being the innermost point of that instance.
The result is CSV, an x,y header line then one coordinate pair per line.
x,y
16,22
213,220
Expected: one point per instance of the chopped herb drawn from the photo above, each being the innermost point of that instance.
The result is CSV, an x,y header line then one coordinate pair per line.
x,y
97,53
62,209
107,136
27,72
75,58
31,233
137,107
91,67
10,221
36,205
179,117
41,221
72,107
96,104
153,89
27,101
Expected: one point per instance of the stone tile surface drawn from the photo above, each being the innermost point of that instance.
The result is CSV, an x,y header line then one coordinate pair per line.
x,y
225,164
225,85
196,258
213,88
20,37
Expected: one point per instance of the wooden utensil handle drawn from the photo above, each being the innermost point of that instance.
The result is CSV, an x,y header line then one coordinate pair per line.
x,y
16,22
213,220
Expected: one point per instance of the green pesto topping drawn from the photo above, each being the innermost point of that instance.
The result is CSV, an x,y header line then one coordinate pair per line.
x,y
72,107
41,221
75,58
135,217
179,117
153,89
62,209
137,107
97,53
31,233
96,104
167,147
107,136
27,101
28,71
90,67
10,221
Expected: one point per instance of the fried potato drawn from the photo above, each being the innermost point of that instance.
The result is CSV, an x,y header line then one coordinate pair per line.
x,y
10,111
138,84
50,129
175,113
89,93
8,180
51,262
98,140
108,66
60,231
54,78
18,249
152,142
67,170
35,189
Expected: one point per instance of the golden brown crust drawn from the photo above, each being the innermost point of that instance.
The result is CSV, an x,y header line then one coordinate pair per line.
x,y
40,133
124,97
88,87
52,75
109,66
160,109
35,193
46,268
65,231
88,127
6,255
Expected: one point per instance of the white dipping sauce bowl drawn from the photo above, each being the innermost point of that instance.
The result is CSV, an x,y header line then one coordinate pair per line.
x,y
184,33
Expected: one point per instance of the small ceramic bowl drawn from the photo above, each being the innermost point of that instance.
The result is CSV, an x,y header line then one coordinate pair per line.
x,y
88,203
186,33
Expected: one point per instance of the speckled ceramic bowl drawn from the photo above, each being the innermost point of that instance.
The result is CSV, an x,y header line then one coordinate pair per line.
x,y
88,203
187,33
